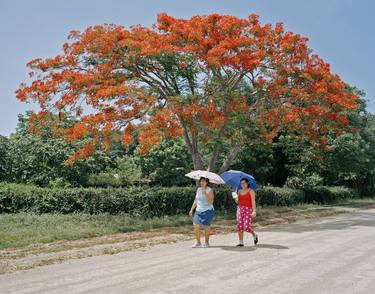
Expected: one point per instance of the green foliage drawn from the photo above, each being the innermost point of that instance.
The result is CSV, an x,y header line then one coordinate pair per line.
x,y
40,159
146,201
103,179
59,183
4,158
143,201
277,196
304,180
351,160
255,159
323,194
304,169
127,172
167,163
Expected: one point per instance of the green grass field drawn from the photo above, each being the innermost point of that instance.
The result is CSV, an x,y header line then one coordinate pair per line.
x,y
19,230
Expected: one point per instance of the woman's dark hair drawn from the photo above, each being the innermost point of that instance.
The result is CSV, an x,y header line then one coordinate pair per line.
x,y
246,180
206,179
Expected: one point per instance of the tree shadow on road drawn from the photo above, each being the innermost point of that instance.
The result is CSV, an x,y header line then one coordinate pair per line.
x,y
250,248
235,248
271,246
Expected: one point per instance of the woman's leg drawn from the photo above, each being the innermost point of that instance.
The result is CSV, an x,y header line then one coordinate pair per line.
x,y
247,223
250,222
239,223
249,226
197,233
240,236
255,236
207,234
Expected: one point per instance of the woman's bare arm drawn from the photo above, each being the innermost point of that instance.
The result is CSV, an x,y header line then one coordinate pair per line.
x,y
253,202
193,207
210,197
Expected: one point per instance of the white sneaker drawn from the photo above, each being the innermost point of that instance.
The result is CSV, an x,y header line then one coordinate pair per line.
x,y
197,245
205,245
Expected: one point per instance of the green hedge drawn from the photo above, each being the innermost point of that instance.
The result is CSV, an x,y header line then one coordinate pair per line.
x,y
145,201
277,196
324,194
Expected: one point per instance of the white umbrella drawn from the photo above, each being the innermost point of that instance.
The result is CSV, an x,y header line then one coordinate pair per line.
x,y
197,174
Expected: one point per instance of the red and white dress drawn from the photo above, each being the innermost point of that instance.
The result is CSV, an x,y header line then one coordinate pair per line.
x,y
244,212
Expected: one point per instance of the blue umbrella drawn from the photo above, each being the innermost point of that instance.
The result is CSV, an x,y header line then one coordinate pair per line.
x,y
233,179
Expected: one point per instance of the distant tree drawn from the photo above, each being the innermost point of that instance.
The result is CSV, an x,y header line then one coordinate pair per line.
x,y
4,158
351,160
39,158
126,172
167,163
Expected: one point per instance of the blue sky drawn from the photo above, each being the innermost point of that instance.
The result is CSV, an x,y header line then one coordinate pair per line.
x,y
340,31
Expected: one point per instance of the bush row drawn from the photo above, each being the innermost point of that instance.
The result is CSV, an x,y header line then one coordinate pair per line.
x,y
146,201
323,194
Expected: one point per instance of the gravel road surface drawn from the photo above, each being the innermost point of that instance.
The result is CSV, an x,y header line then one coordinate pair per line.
x,y
329,255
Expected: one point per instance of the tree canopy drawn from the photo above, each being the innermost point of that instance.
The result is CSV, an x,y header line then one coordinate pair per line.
x,y
212,80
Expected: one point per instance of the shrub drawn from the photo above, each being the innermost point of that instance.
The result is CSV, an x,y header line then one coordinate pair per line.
x,y
303,181
324,194
104,180
279,196
59,183
143,201
127,173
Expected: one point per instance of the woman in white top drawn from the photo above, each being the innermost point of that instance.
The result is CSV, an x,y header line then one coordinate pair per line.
x,y
204,212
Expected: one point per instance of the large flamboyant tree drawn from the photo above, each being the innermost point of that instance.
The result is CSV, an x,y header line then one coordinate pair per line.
x,y
208,79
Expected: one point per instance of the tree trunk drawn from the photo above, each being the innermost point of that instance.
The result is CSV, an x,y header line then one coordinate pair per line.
x,y
231,156
192,144
215,153
197,159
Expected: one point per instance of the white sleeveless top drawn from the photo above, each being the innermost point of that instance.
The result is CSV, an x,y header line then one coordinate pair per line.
x,y
202,203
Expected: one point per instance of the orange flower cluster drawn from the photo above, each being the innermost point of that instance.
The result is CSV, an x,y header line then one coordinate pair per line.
x,y
162,124
127,136
84,152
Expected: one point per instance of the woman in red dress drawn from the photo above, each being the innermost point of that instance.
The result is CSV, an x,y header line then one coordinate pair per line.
x,y
246,210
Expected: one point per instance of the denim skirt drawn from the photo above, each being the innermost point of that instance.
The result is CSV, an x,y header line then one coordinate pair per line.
x,y
203,218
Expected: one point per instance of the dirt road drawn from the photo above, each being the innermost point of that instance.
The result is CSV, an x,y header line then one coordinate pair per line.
x,y
332,255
